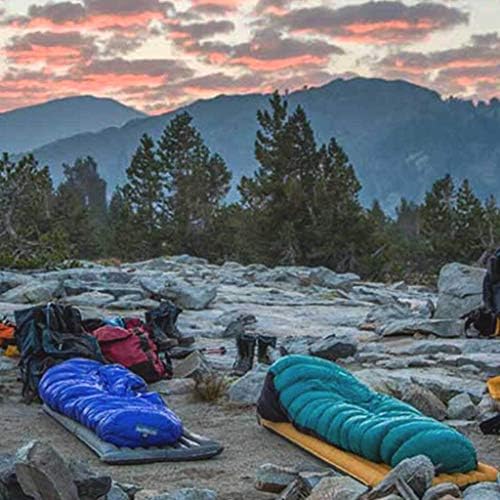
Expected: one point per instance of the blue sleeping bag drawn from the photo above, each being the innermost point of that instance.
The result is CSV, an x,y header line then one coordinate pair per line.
x,y
321,398
111,401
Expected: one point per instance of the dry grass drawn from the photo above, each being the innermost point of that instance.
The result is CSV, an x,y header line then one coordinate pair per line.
x,y
211,387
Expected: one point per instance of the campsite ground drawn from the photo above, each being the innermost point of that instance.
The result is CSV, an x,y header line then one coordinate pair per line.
x,y
232,474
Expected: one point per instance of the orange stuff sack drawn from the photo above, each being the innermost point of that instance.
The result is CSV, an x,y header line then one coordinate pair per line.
x,y
6,335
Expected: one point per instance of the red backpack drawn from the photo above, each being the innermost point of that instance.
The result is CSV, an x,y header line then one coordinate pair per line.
x,y
133,348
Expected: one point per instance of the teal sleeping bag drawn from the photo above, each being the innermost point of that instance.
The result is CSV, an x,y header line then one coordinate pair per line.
x,y
322,399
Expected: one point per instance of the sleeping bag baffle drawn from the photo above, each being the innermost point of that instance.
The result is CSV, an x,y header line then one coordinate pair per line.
x,y
112,402
320,398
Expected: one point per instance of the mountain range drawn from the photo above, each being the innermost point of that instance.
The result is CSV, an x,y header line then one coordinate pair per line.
x,y
30,127
400,137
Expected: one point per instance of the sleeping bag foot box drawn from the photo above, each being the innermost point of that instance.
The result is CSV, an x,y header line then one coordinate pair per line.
x,y
110,409
321,407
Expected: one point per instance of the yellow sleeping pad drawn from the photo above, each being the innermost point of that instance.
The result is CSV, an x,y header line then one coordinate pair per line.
x,y
494,387
369,473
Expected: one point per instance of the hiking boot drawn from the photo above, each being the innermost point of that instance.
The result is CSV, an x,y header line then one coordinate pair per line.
x,y
246,351
264,342
162,323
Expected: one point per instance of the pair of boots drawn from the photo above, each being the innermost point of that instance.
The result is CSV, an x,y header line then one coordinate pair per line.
x,y
246,344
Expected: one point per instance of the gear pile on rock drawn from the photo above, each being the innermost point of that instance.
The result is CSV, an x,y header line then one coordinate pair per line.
x,y
403,340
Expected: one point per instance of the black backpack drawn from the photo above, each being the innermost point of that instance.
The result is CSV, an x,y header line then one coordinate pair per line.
x,y
49,335
482,319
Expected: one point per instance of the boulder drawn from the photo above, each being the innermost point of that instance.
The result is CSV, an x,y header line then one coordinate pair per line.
x,y
43,474
116,493
338,488
440,491
133,303
34,292
414,473
274,478
183,294
334,347
460,290
324,277
424,400
461,407
438,327
483,491
238,326
90,299
246,390
10,280
10,489
388,313
90,485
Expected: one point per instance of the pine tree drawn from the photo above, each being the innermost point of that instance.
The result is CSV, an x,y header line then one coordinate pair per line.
x,y
197,183
145,195
28,235
438,222
469,224
408,218
79,208
341,225
122,240
303,199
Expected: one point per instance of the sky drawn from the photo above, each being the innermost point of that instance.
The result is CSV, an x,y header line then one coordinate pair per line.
x,y
157,55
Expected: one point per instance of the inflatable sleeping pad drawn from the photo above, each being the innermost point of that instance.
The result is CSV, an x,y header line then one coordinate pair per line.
x,y
320,398
111,401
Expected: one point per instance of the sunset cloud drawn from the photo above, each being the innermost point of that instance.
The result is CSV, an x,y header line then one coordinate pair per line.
x,y
92,15
53,49
159,54
374,22
458,70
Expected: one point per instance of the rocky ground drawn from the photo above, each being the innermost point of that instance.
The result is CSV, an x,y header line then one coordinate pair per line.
x,y
403,340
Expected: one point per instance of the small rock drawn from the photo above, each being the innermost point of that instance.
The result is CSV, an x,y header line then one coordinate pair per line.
x,y
338,488
333,347
461,407
175,386
439,327
195,366
90,299
442,490
274,478
42,473
424,400
31,293
90,485
483,491
116,493
229,316
187,494
246,390
416,473
322,276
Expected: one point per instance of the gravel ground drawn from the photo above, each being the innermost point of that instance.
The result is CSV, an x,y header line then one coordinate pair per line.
x,y
247,446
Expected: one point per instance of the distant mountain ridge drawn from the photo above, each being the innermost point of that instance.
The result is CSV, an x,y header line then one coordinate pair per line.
x,y
30,127
400,137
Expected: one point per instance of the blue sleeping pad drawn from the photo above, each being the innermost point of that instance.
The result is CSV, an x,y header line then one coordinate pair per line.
x,y
111,401
321,398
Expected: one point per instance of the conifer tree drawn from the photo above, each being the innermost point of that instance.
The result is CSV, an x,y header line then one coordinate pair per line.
x,y
438,222
145,195
469,224
28,235
79,208
122,238
304,199
197,183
